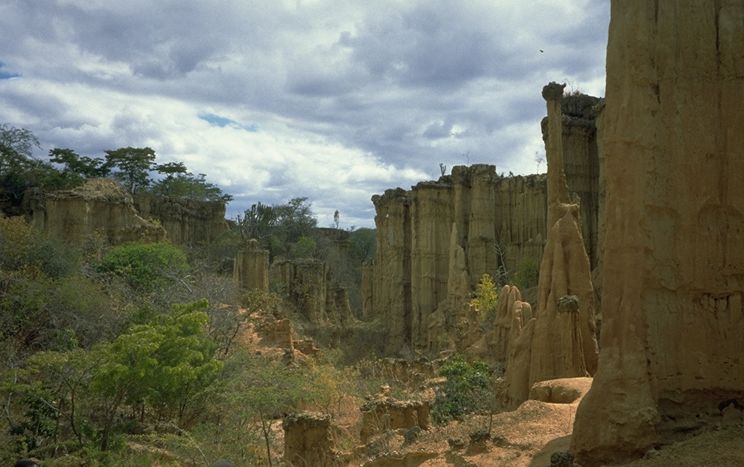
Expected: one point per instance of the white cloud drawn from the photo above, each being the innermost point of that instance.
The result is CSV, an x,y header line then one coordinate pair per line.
x,y
326,99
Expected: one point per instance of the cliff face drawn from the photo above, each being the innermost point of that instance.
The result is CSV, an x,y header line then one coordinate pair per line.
x,y
500,224
419,233
309,286
100,207
673,263
187,221
562,342
251,267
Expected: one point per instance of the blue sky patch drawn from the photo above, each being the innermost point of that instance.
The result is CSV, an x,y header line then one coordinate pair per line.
x,y
220,121
7,74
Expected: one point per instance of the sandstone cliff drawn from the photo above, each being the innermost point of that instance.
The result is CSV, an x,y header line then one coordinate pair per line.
x,y
308,285
99,207
251,267
563,338
187,221
673,263
469,217
499,225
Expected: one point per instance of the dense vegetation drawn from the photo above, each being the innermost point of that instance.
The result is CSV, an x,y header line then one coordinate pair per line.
x,y
105,351
135,354
109,349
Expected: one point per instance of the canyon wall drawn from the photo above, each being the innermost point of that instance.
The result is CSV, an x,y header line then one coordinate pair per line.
x,y
187,221
251,267
563,340
100,207
308,284
499,223
673,261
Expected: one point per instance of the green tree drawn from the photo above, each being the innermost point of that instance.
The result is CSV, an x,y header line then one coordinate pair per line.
x,y
264,389
166,364
131,166
146,266
186,185
171,169
77,168
279,226
485,297
18,168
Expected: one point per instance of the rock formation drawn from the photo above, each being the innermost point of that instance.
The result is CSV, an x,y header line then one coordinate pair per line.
x,y
499,226
386,413
309,286
102,206
581,163
307,440
187,221
99,207
673,261
251,267
466,218
564,337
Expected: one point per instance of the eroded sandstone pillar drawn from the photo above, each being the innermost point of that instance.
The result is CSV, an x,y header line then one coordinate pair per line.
x,y
251,268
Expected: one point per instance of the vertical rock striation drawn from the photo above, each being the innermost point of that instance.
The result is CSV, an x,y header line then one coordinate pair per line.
x,y
436,241
251,267
673,262
561,342
500,226
99,207
187,221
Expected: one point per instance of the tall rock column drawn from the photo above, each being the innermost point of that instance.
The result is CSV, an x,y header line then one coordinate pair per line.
x,y
557,188
430,237
564,342
251,268
391,286
673,261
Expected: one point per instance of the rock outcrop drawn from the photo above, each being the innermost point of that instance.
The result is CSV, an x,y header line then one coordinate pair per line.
x,y
581,163
673,262
436,241
100,207
187,221
251,267
386,413
307,440
309,286
564,332
485,222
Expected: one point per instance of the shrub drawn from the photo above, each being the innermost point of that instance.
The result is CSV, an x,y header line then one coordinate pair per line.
x,y
146,266
486,296
467,390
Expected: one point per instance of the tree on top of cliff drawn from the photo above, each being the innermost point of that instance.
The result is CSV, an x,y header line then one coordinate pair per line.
x,y
279,226
77,168
131,166
187,185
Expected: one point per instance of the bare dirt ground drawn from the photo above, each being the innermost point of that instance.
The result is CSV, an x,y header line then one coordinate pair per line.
x,y
528,436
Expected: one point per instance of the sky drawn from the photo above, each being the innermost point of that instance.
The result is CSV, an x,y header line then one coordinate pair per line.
x,y
333,100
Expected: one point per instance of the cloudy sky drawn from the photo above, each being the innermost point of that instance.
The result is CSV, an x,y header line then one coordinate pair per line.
x,y
335,100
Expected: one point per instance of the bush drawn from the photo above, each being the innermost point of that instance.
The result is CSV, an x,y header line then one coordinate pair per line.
x,y
486,296
467,390
146,266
